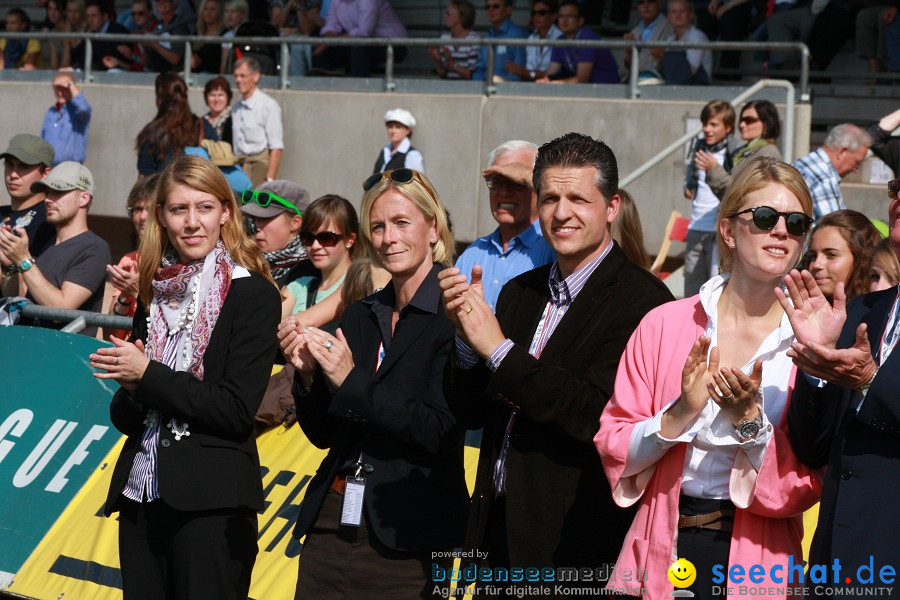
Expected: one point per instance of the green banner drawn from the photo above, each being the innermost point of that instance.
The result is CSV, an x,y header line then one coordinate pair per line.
x,y
54,432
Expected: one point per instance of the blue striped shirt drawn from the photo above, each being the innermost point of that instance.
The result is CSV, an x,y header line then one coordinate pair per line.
x,y
823,180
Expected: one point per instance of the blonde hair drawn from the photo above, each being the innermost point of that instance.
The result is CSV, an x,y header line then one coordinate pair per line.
x,y
420,192
200,174
759,173
884,257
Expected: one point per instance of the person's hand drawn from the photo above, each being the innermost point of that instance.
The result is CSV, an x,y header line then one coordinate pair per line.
x,y
14,243
736,393
849,367
124,363
887,16
477,324
293,346
688,193
705,160
332,353
124,280
518,173
814,320
453,284
723,8
111,62
628,36
434,54
696,376
543,79
516,69
319,50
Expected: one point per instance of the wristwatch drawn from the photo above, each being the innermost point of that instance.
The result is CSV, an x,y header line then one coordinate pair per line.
x,y
748,429
532,74
25,265
10,270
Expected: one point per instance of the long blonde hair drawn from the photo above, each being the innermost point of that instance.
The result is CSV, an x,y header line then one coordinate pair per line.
x,y
420,192
200,174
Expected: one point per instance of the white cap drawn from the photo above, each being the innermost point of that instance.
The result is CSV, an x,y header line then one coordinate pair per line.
x,y
399,115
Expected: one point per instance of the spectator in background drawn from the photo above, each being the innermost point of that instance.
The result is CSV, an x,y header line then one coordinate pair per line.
x,y
686,67
537,58
172,129
579,65
626,230
73,51
653,27
457,62
840,251
359,19
499,15
256,125
363,279
884,145
885,271
844,150
27,160
163,57
55,23
217,122
236,12
730,22
19,54
207,58
709,150
69,274
124,275
99,21
792,25
300,17
399,152
517,245
144,22
67,122
871,23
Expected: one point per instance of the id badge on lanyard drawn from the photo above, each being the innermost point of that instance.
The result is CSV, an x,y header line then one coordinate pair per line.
x,y
351,511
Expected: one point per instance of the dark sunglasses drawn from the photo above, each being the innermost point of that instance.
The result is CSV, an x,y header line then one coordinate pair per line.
x,y
749,120
401,176
893,188
540,12
326,239
492,6
766,217
264,199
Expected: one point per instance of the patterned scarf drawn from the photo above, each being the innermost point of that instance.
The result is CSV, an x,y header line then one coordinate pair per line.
x,y
282,261
173,292
691,173
219,122
749,149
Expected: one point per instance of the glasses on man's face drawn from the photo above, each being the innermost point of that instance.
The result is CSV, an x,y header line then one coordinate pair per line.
x,y
540,12
326,239
765,218
138,209
264,199
400,176
492,6
502,183
748,120
893,188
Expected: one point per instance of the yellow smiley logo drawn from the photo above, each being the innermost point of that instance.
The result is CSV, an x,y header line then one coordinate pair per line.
x,y
682,573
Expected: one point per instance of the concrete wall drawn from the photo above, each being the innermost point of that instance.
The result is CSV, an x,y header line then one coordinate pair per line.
x,y
332,139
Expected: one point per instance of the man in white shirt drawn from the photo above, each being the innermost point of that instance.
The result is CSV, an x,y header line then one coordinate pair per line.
x,y
256,122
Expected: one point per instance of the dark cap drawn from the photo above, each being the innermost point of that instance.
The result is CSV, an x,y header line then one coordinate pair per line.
x,y
290,191
30,149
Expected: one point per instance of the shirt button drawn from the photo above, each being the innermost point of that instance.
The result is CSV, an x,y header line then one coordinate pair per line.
x,y
164,443
846,474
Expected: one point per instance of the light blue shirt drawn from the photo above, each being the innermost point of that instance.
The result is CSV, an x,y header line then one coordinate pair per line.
x,y
66,129
525,252
508,30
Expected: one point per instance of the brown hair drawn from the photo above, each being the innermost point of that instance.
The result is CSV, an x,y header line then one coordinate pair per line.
x,y
358,281
884,257
466,12
627,231
334,208
217,83
199,174
861,237
174,126
715,108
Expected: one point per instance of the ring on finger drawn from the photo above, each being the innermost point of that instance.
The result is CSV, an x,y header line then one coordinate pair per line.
x,y
468,309
729,397
116,364
329,344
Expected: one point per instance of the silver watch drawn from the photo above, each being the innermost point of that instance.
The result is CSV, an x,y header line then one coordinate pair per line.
x,y
749,428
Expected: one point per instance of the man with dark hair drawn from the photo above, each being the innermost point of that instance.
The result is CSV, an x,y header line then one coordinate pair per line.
x,y
19,54
99,20
163,57
499,15
256,125
27,159
579,65
537,376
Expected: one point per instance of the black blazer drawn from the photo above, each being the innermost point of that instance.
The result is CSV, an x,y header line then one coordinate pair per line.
x,y
559,508
217,465
416,496
858,516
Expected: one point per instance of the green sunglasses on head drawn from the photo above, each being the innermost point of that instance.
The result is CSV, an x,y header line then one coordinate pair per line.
x,y
264,199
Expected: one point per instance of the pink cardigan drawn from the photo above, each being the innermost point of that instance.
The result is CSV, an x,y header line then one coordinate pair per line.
x,y
768,525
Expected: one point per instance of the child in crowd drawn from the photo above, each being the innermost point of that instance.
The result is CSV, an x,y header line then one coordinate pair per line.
x,y
710,149
885,271
399,152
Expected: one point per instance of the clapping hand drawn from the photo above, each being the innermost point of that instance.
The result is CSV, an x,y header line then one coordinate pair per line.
x,y
331,352
124,363
293,346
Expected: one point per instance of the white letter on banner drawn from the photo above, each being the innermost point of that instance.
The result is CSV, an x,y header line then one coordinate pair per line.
x,y
29,470
15,424
78,455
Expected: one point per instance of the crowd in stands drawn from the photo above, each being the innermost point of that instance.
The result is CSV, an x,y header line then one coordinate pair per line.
x,y
824,25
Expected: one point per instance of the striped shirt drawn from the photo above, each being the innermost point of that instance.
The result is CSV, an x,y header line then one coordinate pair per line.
x,y
464,56
823,180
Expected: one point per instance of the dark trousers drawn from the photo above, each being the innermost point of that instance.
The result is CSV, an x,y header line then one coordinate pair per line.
x,y
177,555
703,547
358,60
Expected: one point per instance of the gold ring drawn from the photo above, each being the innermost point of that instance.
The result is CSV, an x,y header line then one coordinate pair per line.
x,y
468,309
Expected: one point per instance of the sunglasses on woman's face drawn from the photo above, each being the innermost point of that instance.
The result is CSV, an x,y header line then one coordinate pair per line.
x,y
540,12
326,239
400,176
748,120
766,217
893,188
264,199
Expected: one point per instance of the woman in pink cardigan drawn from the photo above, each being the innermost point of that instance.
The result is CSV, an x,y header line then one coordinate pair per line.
x,y
695,430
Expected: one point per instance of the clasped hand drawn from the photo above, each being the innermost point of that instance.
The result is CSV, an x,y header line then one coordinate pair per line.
x,y
306,347
124,363
467,309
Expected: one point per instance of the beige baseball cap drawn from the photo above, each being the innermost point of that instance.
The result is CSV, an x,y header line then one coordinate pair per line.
x,y
66,176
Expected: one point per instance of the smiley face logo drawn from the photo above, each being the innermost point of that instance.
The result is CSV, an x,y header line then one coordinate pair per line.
x,y
682,573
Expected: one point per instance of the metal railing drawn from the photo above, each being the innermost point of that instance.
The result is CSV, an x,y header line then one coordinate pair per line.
x,y
76,319
632,46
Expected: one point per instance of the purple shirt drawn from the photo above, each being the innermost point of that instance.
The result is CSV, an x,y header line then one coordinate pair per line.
x,y
363,19
605,69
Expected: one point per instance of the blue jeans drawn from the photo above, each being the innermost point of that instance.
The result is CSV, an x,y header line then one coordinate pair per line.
x,y
698,260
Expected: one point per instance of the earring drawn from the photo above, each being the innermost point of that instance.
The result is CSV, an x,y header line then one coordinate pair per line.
x,y
732,244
